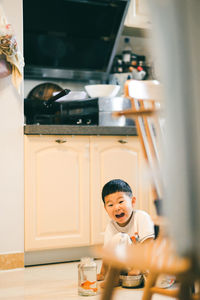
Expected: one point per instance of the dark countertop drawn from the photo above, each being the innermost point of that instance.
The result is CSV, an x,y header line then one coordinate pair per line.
x,y
79,130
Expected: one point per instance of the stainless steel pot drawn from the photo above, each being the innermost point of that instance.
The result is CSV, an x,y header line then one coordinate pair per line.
x,y
131,281
108,105
113,104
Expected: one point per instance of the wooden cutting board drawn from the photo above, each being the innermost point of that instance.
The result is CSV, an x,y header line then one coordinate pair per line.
x,y
44,91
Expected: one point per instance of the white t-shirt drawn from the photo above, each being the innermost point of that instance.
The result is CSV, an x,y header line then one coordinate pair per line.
x,y
139,228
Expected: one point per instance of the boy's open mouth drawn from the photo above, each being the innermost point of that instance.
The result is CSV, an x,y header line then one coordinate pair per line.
x,y
120,215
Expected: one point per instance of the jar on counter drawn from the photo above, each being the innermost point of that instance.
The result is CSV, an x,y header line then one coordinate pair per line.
x,y
87,277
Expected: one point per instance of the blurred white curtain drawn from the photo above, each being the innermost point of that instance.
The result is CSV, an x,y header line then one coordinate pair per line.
x,y
176,25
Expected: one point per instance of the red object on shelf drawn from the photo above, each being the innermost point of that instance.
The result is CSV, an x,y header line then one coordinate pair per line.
x,y
139,68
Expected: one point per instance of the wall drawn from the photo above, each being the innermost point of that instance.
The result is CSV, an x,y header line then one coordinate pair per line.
x,y
11,152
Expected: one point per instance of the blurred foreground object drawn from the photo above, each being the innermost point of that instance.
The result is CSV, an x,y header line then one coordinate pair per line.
x,y
177,46
158,256
145,97
176,30
9,52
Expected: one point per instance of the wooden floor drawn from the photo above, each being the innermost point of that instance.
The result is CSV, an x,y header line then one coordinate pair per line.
x,y
53,282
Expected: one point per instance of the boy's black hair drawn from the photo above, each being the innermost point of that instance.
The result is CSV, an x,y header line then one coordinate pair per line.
x,y
116,185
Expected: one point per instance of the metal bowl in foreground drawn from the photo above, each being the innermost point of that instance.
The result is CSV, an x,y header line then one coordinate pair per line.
x,y
131,281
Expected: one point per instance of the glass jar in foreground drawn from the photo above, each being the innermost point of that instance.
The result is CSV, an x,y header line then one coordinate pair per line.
x,y
87,277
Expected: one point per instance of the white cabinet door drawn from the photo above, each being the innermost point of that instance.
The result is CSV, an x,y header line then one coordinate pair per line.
x,y
112,158
138,15
56,192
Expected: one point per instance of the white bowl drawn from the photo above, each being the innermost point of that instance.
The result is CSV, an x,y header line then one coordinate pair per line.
x,y
102,90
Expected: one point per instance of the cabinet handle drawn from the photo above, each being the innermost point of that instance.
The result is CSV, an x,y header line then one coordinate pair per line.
x,y
122,142
59,141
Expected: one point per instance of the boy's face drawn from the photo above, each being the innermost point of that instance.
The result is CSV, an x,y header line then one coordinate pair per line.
x,y
119,207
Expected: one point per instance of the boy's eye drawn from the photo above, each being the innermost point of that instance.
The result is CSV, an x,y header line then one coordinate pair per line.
x,y
121,201
109,205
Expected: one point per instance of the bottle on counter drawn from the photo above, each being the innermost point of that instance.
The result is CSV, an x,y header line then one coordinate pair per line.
x,y
118,64
142,66
141,61
87,277
130,59
127,51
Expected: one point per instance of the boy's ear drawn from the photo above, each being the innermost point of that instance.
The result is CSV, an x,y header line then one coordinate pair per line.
x,y
133,200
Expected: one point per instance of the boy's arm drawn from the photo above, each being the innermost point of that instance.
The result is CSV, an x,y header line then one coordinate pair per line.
x,y
102,274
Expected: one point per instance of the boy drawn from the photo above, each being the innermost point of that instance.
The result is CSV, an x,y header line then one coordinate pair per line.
x,y
119,203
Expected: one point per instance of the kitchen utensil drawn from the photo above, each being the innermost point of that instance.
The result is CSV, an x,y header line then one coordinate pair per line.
x,y
138,75
42,107
114,104
119,79
44,91
79,112
165,281
80,95
102,90
106,108
131,281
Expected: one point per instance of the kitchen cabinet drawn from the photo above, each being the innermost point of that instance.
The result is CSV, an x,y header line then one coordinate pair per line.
x,y
56,192
112,158
138,15
64,176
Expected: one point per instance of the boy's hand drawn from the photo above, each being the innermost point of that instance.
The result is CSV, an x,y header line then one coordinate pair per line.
x,y
100,277
134,272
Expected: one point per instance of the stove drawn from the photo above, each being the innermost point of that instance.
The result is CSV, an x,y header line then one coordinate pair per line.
x,y
91,111
76,112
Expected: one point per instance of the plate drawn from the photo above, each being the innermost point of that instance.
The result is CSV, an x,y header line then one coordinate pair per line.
x,y
165,281
72,96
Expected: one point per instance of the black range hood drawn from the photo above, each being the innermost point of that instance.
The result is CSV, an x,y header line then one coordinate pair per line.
x,y
71,39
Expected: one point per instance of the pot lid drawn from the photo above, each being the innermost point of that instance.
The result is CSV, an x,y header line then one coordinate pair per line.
x,y
44,91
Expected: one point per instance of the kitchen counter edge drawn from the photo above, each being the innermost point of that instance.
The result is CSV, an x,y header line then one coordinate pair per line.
x,y
79,130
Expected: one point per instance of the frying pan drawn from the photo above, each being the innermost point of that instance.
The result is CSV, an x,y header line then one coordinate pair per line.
x,y
37,106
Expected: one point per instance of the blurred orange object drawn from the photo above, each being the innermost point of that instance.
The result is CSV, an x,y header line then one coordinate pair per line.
x,y
87,285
